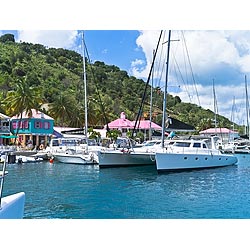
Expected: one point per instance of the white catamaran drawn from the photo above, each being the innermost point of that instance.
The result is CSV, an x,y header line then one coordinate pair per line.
x,y
189,154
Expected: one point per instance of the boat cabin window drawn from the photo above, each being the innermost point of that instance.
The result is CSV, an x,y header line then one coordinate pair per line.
x,y
182,144
152,143
92,142
55,143
68,141
199,145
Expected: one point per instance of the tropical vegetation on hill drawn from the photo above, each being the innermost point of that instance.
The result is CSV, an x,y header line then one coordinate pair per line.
x,y
50,80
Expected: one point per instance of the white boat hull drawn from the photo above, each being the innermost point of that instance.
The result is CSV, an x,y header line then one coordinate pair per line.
x,y
118,159
12,206
75,158
27,159
178,161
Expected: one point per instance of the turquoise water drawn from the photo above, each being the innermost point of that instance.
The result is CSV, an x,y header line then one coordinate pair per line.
x,y
76,191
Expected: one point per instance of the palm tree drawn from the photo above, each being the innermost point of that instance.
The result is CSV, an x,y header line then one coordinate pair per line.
x,y
63,108
22,99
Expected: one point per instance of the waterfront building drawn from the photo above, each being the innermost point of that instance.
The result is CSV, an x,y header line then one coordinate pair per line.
x,y
4,129
33,130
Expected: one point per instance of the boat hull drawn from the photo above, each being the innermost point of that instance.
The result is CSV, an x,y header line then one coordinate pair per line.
x,y
12,206
122,159
75,159
175,161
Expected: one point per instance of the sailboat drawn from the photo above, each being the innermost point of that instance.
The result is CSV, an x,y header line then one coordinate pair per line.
x,y
11,206
86,157
239,145
125,157
189,154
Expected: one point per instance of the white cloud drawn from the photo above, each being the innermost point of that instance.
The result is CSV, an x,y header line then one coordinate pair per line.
x,y
224,96
206,49
137,66
244,63
105,51
137,62
51,38
146,42
223,55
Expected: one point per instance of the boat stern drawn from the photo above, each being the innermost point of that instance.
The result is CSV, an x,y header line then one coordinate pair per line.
x,y
12,206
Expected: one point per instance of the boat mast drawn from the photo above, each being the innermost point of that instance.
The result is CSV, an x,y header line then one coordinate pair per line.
x,y
232,119
2,175
164,115
151,100
247,109
85,90
215,109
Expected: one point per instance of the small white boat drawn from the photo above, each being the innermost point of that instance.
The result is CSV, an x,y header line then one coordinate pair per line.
x,y
235,147
26,159
11,206
76,158
193,154
22,159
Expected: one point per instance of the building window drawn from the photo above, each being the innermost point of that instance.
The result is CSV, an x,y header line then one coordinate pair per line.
x,y
25,124
38,124
46,125
20,124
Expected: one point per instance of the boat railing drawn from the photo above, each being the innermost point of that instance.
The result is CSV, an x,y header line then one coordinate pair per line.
x,y
3,173
189,148
4,148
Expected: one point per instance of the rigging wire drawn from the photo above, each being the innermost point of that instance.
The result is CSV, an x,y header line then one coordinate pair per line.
x,y
98,93
146,86
191,67
160,72
216,111
247,107
233,110
182,78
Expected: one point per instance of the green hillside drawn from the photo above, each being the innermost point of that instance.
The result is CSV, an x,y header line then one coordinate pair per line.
x,y
49,79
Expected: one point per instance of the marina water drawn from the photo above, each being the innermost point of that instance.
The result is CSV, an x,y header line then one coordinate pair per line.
x,y
56,190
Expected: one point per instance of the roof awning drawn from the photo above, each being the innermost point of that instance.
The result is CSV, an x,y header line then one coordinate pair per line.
x,y
8,136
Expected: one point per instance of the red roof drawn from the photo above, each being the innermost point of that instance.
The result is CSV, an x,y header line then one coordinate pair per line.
x,y
145,124
217,130
35,114
122,122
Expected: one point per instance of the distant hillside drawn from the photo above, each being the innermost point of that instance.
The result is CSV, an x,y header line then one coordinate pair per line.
x,y
58,75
